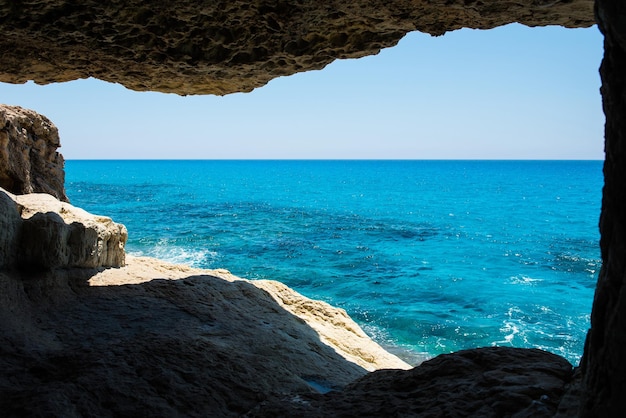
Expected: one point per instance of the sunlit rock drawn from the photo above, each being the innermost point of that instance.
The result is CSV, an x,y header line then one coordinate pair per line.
x,y
29,161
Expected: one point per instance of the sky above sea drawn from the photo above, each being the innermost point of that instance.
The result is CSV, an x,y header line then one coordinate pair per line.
x,y
508,93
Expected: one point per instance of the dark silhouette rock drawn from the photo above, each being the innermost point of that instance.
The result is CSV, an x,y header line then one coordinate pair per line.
x,y
485,382
604,363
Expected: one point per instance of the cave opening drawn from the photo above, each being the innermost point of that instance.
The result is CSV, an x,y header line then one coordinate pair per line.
x,y
505,98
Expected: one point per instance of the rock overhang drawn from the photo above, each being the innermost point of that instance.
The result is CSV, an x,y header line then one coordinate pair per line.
x,y
219,47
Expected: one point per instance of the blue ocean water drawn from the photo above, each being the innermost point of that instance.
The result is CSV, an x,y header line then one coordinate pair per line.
x,y
428,256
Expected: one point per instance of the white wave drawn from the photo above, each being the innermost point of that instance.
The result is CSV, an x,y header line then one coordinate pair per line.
x,y
179,255
510,330
524,280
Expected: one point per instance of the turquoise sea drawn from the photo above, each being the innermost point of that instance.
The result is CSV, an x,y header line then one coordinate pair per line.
x,y
428,256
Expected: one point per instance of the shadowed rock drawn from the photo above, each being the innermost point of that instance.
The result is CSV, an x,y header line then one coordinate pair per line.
x,y
155,339
604,363
485,382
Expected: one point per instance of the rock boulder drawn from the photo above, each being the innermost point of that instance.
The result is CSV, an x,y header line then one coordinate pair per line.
x,y
485,382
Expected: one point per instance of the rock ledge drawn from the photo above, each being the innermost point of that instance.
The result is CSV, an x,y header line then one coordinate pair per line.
x,y
41,232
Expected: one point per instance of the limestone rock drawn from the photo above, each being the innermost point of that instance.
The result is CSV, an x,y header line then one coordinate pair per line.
x,y
221,47
41,232
29,161
334,327
155,339
57,234
485,382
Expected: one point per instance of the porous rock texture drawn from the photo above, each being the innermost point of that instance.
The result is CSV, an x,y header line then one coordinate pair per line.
x,y
220,47
40,232
153,339
29,161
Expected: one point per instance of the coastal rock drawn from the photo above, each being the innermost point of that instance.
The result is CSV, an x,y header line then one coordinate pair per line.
x,y
221,47
156,339
41,232
485,382
334,327
29,161
604,363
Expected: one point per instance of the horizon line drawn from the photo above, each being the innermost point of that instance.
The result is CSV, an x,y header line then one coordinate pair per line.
x,y
332,159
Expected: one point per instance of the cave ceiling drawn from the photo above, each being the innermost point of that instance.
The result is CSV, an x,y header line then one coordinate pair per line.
x,y
222,47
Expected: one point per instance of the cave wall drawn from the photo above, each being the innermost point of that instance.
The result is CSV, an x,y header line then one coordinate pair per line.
x,y
604,362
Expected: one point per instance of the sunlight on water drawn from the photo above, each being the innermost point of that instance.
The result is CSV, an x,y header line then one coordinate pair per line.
x,y
428,256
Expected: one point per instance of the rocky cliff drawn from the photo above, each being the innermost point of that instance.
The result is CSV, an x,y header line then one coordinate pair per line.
x,y
37,231
29,161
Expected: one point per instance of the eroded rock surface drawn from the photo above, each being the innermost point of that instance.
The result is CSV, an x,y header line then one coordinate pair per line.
x,y
29,161
220,47
41,232
155,339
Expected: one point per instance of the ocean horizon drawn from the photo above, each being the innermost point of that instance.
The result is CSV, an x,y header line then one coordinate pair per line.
x,y
428,256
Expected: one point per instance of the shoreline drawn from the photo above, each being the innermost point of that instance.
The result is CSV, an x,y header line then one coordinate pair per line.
x,y
409,356
333,324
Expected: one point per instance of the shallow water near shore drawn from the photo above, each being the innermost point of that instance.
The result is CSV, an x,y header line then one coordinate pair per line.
x,y
428,256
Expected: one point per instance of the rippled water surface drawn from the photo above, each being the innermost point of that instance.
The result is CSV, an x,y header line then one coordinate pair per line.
x,y
428,256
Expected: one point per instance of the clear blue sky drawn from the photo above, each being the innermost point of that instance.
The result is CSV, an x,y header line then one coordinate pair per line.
x,y
507,93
